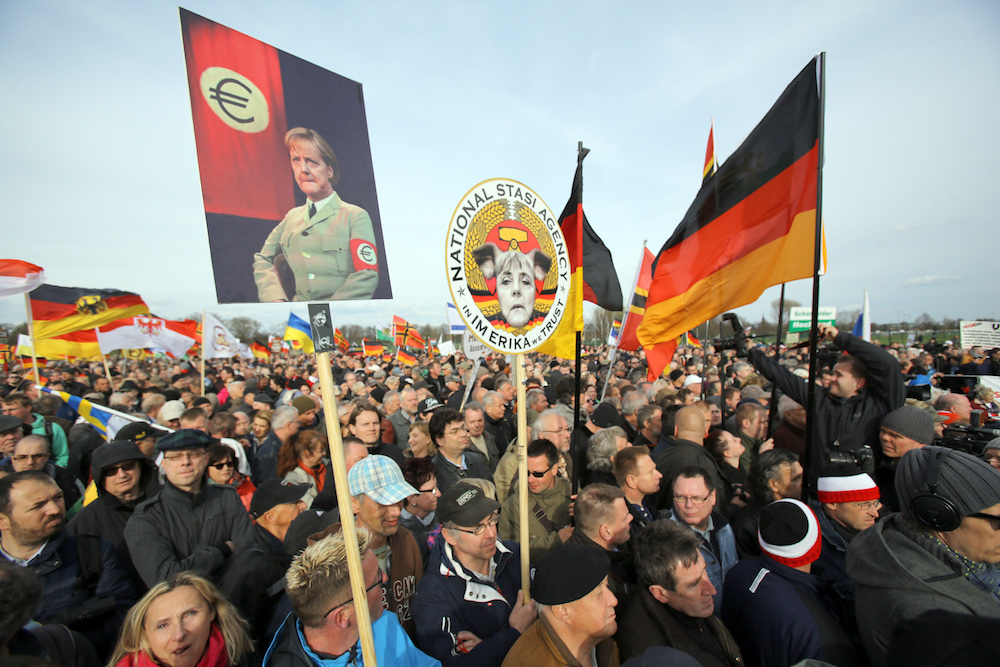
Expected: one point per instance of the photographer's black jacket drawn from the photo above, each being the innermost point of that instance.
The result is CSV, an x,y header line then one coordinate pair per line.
x,y
844,425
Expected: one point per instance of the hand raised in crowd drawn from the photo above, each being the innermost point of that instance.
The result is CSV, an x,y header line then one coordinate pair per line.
x,y
827,331
766,445
522,615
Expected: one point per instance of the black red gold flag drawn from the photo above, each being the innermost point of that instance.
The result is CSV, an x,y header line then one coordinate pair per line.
x,y
629,340
60,310
753,225
593,278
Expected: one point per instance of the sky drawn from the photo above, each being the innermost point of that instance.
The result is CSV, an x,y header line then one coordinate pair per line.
x,y
100,181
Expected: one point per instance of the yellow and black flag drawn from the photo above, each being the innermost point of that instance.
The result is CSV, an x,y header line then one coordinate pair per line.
x,y
60,310
752,225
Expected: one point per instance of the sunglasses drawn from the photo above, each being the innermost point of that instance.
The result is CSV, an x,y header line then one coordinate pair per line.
x,y
543,473
223,464
128,466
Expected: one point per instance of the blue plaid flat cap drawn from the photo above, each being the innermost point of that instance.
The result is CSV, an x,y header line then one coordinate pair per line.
x,y
379,478
186,438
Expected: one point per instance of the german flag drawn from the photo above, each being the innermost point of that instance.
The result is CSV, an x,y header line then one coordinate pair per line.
x,y
81,344
751,226
260,351
387,356
628,340
340,341
371,349
61,310
405,357
711,165
593,276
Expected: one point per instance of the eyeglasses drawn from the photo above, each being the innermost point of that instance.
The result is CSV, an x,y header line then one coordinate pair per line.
x,y
378,582
223,464
488,522
543,473
33,457
127,466
870,505
989,517
433,490
185,456
695,500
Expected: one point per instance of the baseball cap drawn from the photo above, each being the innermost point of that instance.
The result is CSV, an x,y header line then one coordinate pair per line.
x,y
465,505
428,405
172,410
275,492
379,478
139,431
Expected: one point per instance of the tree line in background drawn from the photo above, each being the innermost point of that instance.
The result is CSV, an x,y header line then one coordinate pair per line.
x,y
596,327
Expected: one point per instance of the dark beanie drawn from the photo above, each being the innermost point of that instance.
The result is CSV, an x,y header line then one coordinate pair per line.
x,y
789,532
970,483
912,423
569,572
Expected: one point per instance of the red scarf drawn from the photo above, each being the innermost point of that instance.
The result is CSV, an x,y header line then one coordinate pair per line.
x,y
214,656
318,474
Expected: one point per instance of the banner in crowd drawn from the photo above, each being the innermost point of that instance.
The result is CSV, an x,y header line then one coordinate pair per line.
x,y
508,266
752,225
985,334
266,243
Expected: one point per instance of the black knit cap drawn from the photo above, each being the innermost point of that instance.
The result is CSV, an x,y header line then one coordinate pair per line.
x,y
606,415
569,572
911,422
971,483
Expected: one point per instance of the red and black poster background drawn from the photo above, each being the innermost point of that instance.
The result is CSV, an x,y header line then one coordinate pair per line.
x,y
246,178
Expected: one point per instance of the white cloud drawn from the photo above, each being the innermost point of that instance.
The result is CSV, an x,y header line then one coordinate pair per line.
x,y
920,281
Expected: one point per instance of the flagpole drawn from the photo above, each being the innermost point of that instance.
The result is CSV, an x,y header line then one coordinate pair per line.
x,y
817,260
581,153
522,467
777,352
628,307
323,368
203,352
104,359
31,335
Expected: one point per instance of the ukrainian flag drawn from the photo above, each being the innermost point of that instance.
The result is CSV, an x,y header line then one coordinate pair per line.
x,y
299,333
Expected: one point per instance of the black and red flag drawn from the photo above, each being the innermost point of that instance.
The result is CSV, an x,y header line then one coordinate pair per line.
x,y
751,226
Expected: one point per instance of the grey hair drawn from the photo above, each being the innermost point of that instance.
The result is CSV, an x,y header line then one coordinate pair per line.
x,y
283,416
603,445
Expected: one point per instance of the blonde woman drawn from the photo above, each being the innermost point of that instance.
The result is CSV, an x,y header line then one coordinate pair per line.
x,y
182,622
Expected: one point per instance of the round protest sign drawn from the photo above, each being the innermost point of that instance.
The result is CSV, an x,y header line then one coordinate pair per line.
x,y
508,269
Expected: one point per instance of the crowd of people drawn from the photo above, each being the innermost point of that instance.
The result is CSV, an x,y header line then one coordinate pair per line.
x,y
689,519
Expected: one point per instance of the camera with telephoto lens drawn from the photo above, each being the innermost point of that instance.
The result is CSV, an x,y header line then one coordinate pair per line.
x,y
739,340
970,438
863,458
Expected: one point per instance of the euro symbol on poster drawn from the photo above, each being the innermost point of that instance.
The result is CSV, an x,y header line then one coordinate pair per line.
x,y
507,265
235,99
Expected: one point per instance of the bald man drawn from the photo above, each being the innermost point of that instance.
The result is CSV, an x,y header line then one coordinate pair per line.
x,y
690,428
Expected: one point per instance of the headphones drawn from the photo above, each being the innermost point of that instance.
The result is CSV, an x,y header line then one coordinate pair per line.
x,y
931,509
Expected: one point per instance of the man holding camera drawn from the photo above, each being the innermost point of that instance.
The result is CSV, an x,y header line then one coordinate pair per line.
x,y
867,385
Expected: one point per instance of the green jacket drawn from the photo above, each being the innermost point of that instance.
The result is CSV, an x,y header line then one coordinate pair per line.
x,y
333,256
554,503
59,448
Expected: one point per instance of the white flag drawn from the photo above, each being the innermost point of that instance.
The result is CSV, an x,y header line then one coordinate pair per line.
x,y
218,343
146,331
24,346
